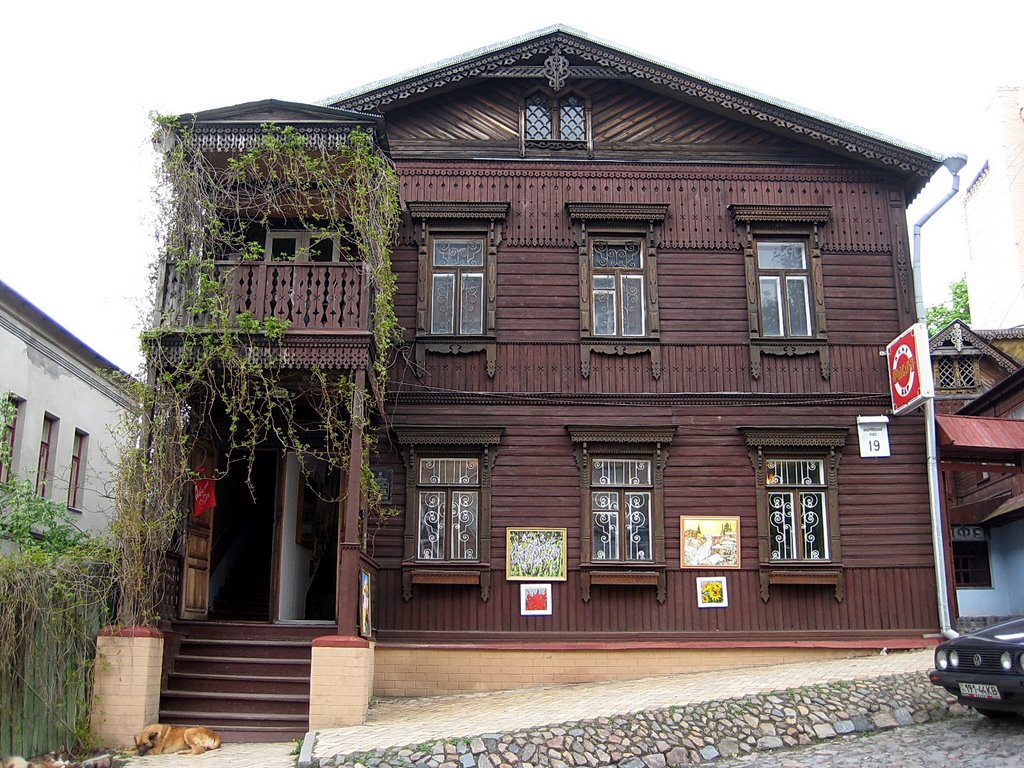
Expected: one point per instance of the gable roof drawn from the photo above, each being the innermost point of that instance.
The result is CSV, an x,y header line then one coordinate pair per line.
x,y
958,335
560,53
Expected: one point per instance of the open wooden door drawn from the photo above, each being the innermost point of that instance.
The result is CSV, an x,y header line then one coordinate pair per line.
x,y
195,577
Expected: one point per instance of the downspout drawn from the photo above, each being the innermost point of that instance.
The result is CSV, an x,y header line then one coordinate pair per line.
x,y
954,164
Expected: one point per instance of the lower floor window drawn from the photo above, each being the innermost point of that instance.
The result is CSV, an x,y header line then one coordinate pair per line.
x,y
449,509
971,564
621,510
797,509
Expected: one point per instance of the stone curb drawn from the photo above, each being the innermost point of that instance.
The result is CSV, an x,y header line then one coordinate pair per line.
x,y
685,735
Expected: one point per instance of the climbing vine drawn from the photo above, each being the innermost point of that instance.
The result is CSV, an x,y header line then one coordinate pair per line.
x,y
218,375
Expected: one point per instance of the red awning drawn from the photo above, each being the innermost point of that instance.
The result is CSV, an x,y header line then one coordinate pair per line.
x,y
980,432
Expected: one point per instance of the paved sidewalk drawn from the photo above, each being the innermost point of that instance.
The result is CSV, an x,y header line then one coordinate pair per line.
x,y
397,722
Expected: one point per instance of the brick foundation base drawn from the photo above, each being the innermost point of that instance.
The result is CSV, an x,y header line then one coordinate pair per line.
x,y
126,688
341,682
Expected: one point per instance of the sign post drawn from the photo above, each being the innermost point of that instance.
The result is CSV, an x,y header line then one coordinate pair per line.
x,y
909,368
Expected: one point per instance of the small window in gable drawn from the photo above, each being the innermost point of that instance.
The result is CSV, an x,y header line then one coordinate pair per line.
x,y
456,304
785,294
556,122
956,373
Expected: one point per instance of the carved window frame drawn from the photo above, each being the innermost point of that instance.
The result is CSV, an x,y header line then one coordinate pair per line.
x,y
649,443
447,442
820,443
615,221
434,220
554,102
784,222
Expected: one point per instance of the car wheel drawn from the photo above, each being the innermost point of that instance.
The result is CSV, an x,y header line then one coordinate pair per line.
x,y
995,714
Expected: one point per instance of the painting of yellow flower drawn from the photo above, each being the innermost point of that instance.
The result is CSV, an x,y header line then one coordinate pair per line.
x,y
712,592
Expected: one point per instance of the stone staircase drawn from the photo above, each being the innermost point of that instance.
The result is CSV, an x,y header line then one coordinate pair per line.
x,y
247,680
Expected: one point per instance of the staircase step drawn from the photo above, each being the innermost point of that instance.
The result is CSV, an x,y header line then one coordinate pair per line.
x,y
202,703
255,649
296,685
229,722
242,665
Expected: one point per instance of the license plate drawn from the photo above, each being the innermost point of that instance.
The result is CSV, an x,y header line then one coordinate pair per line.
x,y
978,691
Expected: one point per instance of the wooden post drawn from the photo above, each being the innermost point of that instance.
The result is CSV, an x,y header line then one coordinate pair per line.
x,y
349,547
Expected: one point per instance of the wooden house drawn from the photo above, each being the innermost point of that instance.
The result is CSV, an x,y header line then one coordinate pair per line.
x,y
642,313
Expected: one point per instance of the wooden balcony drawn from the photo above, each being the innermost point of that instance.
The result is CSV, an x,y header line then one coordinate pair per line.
x,y
325,306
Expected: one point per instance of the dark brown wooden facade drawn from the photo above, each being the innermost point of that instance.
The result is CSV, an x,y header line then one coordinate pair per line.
x,y
697,176
533,157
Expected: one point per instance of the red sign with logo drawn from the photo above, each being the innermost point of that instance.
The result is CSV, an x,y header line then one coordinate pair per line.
x,y
910,369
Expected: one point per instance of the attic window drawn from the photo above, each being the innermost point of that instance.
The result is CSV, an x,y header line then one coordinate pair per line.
x,y
555,122
956,373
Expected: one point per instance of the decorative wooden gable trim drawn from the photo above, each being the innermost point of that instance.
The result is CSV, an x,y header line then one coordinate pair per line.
x,y
558,55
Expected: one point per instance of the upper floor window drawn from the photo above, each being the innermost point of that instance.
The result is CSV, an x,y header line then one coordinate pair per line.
x,y
457,292
303,245
76,478
47,453
457,278
785,293
784,285
556,122
9,439
617,245
617,287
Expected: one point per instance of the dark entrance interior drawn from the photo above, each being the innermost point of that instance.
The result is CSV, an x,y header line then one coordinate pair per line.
x,y
242,556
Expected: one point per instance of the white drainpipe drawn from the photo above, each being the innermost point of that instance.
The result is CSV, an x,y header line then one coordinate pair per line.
x,y
954,164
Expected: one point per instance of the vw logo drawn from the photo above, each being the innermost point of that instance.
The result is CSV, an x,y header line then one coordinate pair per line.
x,y
977,659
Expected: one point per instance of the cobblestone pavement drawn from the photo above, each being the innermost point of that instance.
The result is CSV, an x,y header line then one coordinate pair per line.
x,y
966,742
670,720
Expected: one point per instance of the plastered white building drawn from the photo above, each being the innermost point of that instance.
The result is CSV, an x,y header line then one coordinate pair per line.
x,y
67,404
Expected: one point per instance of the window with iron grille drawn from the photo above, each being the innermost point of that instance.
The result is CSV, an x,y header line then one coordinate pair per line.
x,y
621,510
448,509
796,473
971,564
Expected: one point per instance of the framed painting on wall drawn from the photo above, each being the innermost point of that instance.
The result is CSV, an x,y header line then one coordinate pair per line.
x,y
365,603
535,599
535,553
709,542
712,592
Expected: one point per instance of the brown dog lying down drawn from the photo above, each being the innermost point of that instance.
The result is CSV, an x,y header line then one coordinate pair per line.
x,y
157,739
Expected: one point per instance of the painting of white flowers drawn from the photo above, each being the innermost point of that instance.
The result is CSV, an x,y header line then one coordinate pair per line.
x,y
532,554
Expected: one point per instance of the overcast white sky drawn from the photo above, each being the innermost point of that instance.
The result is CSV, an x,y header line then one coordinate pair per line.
x,y
81,78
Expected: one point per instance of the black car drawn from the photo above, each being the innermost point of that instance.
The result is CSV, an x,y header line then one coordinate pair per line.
x,y
984,669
